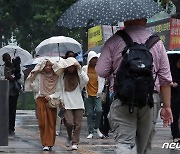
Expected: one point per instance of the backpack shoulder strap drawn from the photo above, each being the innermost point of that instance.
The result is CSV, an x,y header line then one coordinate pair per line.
x,y
125,36
151,41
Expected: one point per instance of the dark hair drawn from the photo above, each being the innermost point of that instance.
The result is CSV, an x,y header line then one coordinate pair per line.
x,y
69,52
5,55
16,67
16,61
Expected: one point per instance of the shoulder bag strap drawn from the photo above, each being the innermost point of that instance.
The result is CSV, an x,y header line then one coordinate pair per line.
x,y
125,36
151,41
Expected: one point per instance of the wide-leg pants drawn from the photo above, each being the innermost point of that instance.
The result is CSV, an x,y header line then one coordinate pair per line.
x,y
46,121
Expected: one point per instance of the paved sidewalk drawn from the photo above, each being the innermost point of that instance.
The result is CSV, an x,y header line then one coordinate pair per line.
x,y
27,141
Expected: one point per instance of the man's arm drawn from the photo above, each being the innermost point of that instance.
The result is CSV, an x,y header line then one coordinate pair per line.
x,y
104,64
166,113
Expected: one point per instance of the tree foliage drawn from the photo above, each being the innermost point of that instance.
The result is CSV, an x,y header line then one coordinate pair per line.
x,y
177,4
31,21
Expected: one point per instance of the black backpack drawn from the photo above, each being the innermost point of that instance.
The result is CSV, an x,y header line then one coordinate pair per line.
x,y
134,83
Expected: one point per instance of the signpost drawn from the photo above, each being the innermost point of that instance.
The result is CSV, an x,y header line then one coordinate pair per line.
x,y
4,112
95,37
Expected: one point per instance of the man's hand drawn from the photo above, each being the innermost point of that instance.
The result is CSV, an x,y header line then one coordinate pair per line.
x,y
174,84
166,116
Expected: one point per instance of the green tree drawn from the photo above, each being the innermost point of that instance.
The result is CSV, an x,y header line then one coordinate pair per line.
x,y
177,4
32,21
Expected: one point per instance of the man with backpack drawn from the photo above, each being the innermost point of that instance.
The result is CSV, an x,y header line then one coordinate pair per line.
x,y
141,70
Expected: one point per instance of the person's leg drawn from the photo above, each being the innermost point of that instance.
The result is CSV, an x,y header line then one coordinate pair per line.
x,y
98,115
106,122
156,108
41,118
58,122
69,118
36,114
98,111
144,128
175,124
102,122
78,116
89,107
12,113
123,124
47,122
50,125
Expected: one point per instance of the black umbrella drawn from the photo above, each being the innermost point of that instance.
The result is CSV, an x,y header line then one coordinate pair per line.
x,y
85,13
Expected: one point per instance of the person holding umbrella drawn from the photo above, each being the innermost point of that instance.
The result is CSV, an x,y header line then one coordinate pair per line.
x,y
132,129
12,72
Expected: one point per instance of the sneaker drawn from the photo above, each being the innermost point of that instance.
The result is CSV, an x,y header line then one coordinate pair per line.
x,y
68,143
46,148
50,148
57,133
74,147
90,136
99,134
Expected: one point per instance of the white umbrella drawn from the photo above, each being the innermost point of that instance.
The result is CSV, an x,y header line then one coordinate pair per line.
x,y
58,44
14,51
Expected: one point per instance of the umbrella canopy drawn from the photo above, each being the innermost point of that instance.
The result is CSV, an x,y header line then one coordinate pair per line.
x,y
85,13
58,44
52,54
14,51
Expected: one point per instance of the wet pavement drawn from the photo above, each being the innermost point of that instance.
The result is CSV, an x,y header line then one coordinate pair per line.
x,y
27,141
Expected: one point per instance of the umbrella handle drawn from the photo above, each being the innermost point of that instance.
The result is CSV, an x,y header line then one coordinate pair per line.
x,y
58,51
14,52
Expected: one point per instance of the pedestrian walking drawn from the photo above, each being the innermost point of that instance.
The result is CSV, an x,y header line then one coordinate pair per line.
x,y
46,86
12,72
175,101
94,89
131,116
60,111
73,80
